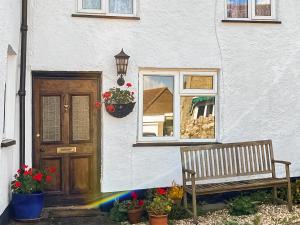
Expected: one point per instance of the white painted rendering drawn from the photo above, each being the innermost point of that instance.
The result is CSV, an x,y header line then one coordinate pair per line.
x,y
9,70
258,79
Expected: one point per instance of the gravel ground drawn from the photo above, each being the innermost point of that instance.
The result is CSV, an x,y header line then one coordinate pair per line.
x,y
268,215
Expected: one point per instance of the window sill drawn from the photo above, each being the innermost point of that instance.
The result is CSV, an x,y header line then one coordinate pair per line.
x,y
166,144
252,21
7,142
87,15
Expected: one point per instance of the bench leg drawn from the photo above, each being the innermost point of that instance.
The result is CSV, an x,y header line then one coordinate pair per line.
x,y
194,208
274,193
185,199
289,195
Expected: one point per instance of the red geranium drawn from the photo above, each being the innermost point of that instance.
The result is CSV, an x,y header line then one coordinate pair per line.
x,y
129,84
38,177
106,95
52,170
141,202
161,191
48,179
98,104
110,108
134,195
28,172
24,166
18,184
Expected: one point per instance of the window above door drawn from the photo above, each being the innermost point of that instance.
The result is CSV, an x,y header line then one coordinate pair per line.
x,y
250,9
107,7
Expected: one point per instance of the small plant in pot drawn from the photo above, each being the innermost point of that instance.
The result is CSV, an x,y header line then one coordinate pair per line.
x,y
134,208
118,102
27,192
159,208
176,193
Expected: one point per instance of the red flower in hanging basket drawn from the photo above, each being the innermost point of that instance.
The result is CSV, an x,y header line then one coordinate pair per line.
x,y
129,84
110,108
106,95
98,104
24,166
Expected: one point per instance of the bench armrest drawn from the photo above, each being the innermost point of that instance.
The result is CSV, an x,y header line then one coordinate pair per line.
x,y
188,171
281,161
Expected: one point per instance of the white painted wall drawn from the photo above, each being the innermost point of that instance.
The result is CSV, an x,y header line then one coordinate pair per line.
x,y
258,83
9,35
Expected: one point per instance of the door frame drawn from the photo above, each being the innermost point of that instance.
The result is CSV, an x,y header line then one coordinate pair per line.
x,y
72,75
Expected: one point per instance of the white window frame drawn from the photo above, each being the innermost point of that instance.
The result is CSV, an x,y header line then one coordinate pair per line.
x,y
251,12
105,9
177,74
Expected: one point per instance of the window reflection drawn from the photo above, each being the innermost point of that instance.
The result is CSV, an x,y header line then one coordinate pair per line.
x,y
197,117
158,106
237,8
198,82
263,7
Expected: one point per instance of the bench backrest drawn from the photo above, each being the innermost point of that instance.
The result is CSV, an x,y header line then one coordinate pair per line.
x,y
228,160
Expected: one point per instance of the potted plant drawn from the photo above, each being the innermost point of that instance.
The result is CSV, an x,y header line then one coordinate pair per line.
x,y
27,192
176,193
134,208
118,102
159,208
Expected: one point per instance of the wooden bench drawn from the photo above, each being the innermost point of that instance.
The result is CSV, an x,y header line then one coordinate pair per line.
x,y
234,160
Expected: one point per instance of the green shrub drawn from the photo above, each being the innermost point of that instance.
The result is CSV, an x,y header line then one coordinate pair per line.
x,y
242,205
178,213
262,197
282,192
118,213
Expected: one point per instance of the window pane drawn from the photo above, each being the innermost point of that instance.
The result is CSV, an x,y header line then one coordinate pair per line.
x,y
197,117
51,118
158,106
80,118
263,7
237,8
91,4
121,6
198,82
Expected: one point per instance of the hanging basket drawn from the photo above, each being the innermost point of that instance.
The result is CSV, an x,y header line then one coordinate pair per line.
x,y
120,110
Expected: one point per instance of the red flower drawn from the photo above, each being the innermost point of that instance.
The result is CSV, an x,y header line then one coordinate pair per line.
x,y
19,171
106,95
134,195
52,170
18,184
129,84
28,172
161,191
98,104
38,177
110,108
141,202
24,166
132,93
48,179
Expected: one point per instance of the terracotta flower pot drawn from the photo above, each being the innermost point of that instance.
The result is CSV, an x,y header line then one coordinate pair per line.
x,y
158,219
135,215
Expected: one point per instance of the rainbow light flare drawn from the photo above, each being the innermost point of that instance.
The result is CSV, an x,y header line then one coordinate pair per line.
x,y
104,200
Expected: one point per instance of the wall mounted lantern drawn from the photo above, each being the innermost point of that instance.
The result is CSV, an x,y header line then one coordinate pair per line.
x,y
122,63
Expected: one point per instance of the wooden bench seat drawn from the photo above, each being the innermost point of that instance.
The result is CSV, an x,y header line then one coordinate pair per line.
x,y
245,160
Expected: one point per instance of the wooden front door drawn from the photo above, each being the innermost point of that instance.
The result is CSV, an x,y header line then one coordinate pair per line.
x,y
66,134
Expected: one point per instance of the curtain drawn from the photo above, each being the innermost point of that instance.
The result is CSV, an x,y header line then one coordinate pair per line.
x,y
237,8
121,6
91,4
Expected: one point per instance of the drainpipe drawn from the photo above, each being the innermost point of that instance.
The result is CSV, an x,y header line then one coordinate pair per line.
x,y
22,91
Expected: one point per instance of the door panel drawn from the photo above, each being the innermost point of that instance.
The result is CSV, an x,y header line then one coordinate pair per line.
x,y
65,133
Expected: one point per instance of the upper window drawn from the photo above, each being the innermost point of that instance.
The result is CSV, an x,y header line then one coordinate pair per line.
x,y
250,9
109,7
177,106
